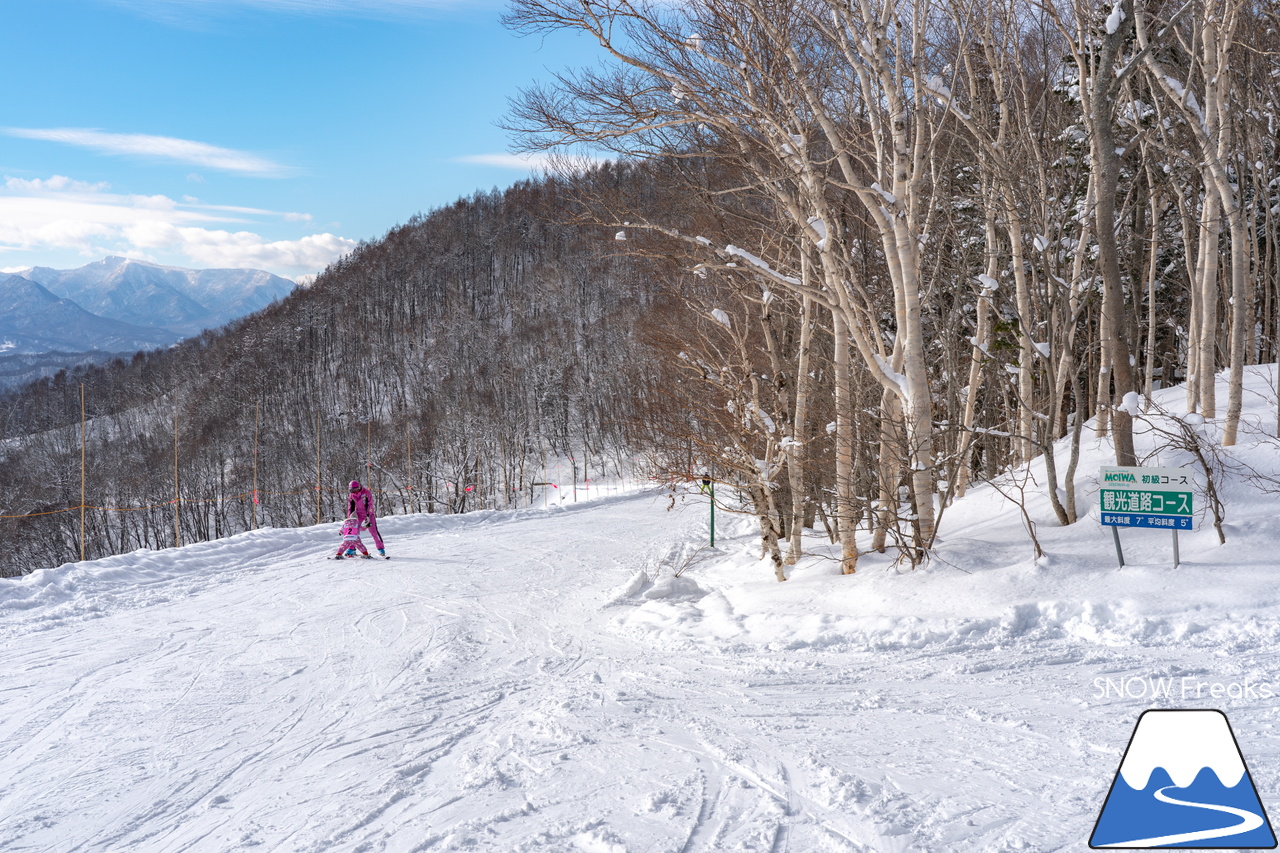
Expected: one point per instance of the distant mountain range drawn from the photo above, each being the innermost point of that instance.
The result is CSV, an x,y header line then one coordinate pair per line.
x,y
118,305
34,320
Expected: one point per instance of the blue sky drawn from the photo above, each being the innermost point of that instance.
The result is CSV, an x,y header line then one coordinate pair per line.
x,y
271,134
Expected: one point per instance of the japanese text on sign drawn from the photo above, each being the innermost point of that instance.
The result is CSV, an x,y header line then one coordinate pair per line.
x,y
1147,497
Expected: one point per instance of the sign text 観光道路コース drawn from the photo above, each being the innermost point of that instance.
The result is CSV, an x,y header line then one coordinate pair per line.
x,y
1160,498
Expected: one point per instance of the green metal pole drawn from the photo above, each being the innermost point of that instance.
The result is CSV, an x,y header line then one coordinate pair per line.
x,y
713,514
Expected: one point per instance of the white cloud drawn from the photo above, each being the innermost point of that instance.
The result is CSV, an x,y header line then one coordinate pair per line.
x,y
217,248
556,161
158,148
58,183
523,162
61,214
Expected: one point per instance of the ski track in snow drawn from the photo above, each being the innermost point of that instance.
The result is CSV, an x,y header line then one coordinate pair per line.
x,y
498,685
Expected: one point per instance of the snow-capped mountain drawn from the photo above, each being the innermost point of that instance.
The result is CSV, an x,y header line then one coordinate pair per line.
x,y
1183,743
34,320
1183,783
180,301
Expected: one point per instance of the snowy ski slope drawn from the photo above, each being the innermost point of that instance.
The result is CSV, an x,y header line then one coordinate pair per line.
x,y
541,681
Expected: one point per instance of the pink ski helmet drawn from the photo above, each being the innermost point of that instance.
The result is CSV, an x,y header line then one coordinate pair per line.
x,y
355,485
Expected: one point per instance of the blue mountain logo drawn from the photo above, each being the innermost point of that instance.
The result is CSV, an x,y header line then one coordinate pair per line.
x,y
1183,784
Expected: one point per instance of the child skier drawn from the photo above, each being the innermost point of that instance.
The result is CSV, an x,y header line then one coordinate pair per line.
x,y
351,540
360,504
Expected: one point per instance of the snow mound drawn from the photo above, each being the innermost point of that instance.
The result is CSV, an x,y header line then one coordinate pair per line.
x,y
674,589
630,590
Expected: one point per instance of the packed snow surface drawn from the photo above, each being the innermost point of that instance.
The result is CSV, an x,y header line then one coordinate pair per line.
x,y
591,677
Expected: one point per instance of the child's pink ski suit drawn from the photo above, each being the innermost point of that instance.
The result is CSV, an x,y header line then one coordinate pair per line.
x,y
351,538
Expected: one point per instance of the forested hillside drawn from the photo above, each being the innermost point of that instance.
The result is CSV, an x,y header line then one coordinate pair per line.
x,y
1007,219
850,259
443,363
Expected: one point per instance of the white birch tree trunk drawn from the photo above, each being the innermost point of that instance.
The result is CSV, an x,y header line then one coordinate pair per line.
x,y
1213,32
846,519
796,448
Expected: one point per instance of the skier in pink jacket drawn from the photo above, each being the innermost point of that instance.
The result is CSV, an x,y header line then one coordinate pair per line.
x,y
360,505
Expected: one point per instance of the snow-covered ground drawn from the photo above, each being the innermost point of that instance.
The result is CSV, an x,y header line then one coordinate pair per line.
x,y
541,680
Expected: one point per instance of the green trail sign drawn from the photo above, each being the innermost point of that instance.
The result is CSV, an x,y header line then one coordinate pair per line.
x,y
1159,498
1156,498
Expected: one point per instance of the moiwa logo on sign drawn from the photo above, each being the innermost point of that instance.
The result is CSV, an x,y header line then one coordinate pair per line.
x,y
1183,784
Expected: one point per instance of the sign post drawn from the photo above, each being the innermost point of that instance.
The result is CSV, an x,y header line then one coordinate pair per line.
x,y
709,487
1160,498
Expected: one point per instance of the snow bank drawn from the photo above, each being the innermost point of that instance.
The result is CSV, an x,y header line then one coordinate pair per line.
x,y
984,590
